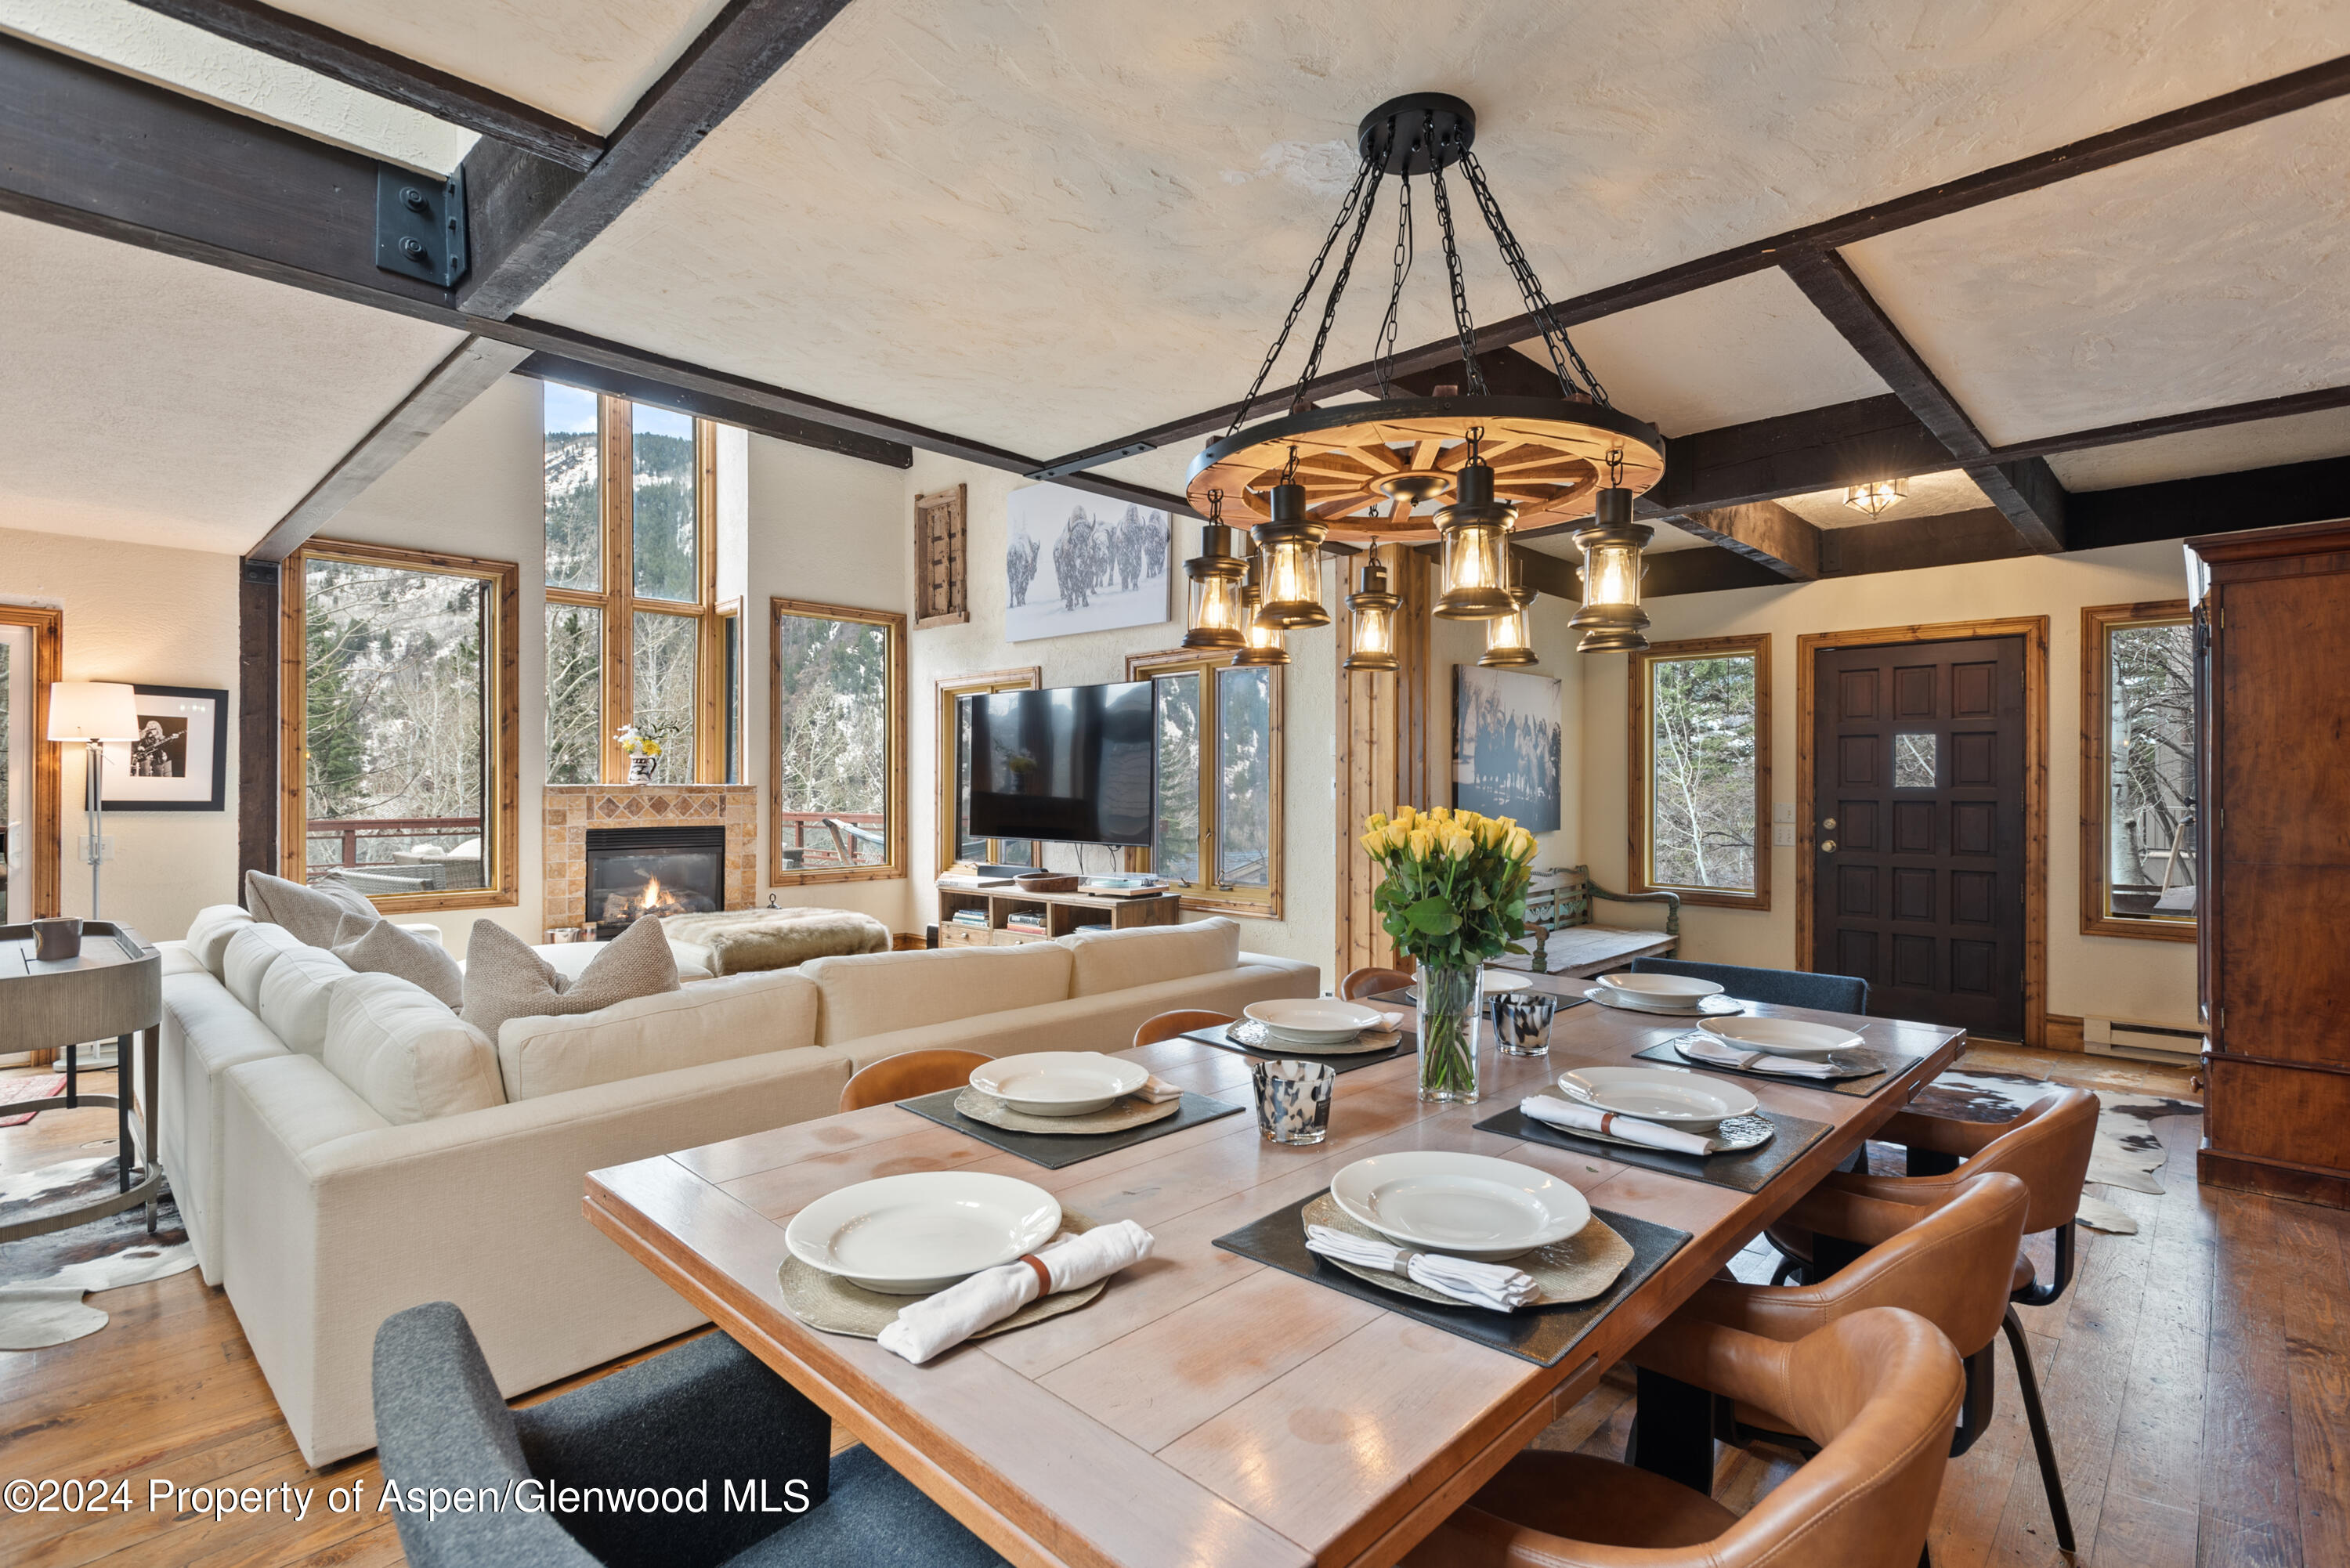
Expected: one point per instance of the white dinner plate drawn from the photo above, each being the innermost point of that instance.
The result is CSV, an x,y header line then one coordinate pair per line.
x,y
1059,1083
910,1235
1682,992
1687,1101
1313,1020
1784,1037
1632,1001
1465,1205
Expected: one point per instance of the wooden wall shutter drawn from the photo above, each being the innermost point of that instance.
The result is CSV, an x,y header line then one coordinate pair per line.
x,y
941,588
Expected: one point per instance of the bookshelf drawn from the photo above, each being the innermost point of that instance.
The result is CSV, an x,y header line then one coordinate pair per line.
x,y
1057,914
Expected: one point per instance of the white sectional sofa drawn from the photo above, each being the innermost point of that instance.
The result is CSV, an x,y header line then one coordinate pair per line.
x,y
343,1146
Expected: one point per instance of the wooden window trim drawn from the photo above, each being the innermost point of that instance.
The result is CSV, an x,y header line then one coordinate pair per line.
x,y
1205,899
946,693
893,867
501,815
46,818
1641,779
2097,624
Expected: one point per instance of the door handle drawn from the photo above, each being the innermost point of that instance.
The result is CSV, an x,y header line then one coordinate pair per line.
x,y
1827,847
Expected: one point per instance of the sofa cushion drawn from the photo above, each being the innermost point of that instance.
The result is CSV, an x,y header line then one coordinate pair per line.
x,y
873,994
742,1015
209,933
294,994
1120,961
570,959
373,945
311,912
251,951
398,1048
505,979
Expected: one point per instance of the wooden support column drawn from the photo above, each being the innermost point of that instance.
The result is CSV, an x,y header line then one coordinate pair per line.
x,y
257,671
1382,729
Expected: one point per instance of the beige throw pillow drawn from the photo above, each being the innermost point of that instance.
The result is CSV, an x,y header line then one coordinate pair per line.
x,y
310,913
373,945
503,979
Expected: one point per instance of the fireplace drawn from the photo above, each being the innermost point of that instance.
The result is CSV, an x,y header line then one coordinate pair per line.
x,y
666,870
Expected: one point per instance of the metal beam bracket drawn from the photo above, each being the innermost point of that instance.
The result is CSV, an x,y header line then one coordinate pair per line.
x,y
419,225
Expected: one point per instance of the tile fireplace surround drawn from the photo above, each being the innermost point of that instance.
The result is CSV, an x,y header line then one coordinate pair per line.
x,y
570,810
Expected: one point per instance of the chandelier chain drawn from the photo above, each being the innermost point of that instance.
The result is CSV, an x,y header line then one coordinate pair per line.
x,y
1383,345
1338,289
1538,305
1297,305
1473,373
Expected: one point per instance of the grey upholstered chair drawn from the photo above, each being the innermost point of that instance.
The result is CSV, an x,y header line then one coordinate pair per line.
x,y
1775,987
705,1418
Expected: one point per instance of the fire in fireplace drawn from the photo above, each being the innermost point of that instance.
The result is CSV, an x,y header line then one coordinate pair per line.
x,y
637,871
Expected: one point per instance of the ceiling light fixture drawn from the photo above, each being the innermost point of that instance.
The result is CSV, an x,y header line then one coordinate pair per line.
x,y
1509,638
1476,532
1262,643
1876,496
1214,617
1290,545
1370,646
1611,618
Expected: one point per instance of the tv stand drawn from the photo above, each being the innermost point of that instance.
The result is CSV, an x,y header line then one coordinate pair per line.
x,y
1062,913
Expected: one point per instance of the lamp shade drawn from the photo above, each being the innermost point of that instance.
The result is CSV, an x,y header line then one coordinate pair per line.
x,y
92,711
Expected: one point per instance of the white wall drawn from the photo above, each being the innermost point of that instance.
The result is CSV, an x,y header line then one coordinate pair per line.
x,y
2109,977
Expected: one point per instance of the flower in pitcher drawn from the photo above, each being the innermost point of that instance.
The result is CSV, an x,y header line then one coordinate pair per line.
x,y
1453,892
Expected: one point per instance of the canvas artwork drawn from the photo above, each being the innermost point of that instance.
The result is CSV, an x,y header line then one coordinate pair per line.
x,y
1074,562
177,762
1505,746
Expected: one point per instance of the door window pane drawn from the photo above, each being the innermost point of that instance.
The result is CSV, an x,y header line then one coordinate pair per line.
x,y
1701,771
832,740
1914,761
575,556
1177,855
2150,712
575,693
1244,776
661,478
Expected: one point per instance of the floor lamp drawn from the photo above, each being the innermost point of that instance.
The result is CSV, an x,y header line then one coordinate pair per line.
x,y
93,711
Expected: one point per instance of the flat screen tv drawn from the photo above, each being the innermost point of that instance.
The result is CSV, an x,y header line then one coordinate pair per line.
x,y
1074,764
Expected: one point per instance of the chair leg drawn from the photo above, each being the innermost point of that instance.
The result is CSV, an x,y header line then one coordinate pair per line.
x,y
1785,1271
2041,1444
1672,1431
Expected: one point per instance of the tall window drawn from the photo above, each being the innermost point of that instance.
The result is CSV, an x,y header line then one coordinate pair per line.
x,y
398,707
2137,771
838,773
633,633
1700,748
1219,780
956,847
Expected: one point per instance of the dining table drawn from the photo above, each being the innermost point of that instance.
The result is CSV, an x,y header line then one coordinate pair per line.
x,y
1209,1409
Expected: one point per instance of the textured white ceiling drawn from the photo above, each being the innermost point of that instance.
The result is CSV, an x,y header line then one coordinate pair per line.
x,y
1930,495
585,61
2302,437
1044,223
166,402
2215,273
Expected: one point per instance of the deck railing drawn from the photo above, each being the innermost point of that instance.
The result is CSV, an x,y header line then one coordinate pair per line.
x,y
390,847
835,845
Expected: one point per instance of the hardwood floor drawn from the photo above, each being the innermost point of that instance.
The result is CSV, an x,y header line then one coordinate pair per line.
x,y
2197,1380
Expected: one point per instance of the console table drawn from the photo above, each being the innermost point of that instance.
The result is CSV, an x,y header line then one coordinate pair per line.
x,y
114,987
1063,912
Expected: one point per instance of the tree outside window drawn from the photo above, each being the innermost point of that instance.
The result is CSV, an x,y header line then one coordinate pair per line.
x,y
2138,771
1219,765
837,768
1701,722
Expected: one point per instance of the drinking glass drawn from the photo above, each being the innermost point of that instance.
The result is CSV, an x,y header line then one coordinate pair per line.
x,y
1293,1099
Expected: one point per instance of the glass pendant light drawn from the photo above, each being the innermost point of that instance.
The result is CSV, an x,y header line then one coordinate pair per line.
x,y
1509,638
1611,617
1476,530
1264,644
1214,620
1371,647
1876,496
1289,546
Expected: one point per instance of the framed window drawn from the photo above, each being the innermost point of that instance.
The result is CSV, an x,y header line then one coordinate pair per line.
x,y
634,635
32,658
1220,779
398,738
1700,771
956,847
836,775
2137,771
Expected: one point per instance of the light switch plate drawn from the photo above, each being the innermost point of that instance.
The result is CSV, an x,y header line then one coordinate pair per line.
x,y
1785,813
1782,834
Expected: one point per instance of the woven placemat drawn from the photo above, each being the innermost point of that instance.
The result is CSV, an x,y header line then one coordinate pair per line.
x,y
1542,1334
1747,1171
831,1304
1575,1270
1055,1149
1117,1116
1869,1070
1405,1043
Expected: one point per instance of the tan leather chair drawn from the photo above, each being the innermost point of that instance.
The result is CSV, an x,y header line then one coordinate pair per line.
x,y
1876,1390
1362,983
915,1072
1182,1021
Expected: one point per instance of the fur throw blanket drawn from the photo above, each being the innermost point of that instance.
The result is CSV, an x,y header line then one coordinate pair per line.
x,y
740,941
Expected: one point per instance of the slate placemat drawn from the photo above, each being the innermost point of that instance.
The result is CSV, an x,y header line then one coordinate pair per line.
x,y
1053,1151
1747,1172
1407,1043
1569,989
1543,1335
1858,1088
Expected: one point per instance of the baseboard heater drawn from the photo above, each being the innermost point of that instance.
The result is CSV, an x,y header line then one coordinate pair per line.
x,y
2141,1042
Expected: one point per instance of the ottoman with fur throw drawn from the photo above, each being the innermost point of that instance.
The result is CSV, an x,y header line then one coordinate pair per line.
x,y
738,941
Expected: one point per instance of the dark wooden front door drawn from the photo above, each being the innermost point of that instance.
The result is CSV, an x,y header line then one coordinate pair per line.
x,y
1917,827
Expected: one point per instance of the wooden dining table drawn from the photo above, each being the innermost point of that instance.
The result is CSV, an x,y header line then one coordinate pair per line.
x,y
1208,1409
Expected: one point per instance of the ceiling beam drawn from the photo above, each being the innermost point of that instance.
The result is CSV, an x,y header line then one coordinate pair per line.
x,y
2212,503
726,410
1910,543
1795,455
1763,532
355,62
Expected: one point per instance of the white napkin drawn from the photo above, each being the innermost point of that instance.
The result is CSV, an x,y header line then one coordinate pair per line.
x,y
1706,1048
1391,1020
1158,1091
1577,1116
1496,1286
941,1322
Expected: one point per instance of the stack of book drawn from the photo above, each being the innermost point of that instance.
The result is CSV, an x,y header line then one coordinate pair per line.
x,y
1027,922
970,917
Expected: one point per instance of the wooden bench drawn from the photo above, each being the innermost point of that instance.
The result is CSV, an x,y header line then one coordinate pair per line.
x,y
1561,900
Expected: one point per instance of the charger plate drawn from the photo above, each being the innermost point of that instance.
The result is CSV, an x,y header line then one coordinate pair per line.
x,y
1575,1270
1117,1118
829,1303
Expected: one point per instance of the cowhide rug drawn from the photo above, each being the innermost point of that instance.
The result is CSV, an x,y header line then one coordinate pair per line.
x,y
2126,1154
44,1278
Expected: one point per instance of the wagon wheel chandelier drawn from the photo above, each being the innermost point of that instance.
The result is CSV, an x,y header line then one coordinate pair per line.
x,y
1463,469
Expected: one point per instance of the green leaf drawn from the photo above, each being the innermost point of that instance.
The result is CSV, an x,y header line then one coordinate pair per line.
x,y
1433,916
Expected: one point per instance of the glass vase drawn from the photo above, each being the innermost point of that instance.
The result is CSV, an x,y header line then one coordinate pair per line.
x,y
1449,1002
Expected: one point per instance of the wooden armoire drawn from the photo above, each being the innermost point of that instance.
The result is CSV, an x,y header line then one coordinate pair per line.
x,y
2273,610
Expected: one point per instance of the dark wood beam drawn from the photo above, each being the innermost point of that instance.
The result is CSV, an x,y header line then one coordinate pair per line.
x,y
727,410
1763,532
1508,374
1704,571
1551,575
528,225
1794,454
2317,400
1909,544
358,63
258,680
2212,503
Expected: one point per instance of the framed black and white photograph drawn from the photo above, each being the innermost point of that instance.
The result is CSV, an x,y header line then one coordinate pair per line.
x,y
1076,562
1505,746
179,761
